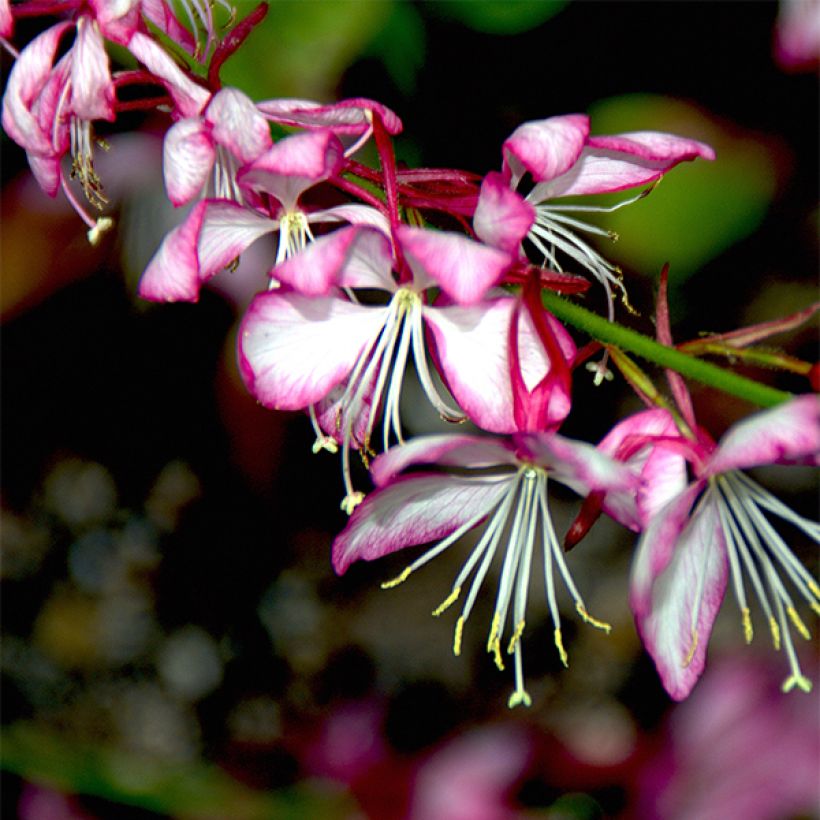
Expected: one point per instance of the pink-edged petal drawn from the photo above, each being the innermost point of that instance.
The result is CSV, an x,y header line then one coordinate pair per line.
x,y
545,148
657,545
173,273
575,463
673,633
238,125
355,214
502,217
353,116
472,349
162,16
28,76
414,510
6,20
293,165
609,164
46,171
333,414
463,268
92,91
641,441
444,450
294,349
188,97
787,434
227,229
348,257
117,19
188,156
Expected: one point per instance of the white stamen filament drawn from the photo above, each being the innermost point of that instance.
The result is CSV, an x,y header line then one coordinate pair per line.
x,y
224,182
519,516
761,550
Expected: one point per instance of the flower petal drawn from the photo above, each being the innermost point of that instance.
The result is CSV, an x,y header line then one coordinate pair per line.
x,y
414,510
464,269
787,434
92,90
293,165
502,217
545,148
187,158
698,563
172,274
351,116
238,125
293,350
444,450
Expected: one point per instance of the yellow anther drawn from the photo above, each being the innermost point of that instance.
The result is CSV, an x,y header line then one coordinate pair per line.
x,y
351,501
495,649
582,611
450,599
815,607
517,698
798,624
457,638
559,645
516,637
400,578
102,225
325,443
748,632
814,588
493,630
692,649
798,680
775,630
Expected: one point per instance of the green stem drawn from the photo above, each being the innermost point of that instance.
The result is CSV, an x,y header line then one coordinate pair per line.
x,y
613,334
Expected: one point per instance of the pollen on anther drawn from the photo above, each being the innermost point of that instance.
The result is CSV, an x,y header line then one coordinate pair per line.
x,y
582,611
400,578
516,637
447,602
748,632
799,625
775,630
559,645
797,680
692,649
457,637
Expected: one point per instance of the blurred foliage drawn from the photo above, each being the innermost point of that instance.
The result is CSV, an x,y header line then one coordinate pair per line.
x,y
188,790
497,16
698,210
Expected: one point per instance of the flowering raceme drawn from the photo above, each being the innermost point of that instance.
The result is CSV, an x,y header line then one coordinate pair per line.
x,y
375,266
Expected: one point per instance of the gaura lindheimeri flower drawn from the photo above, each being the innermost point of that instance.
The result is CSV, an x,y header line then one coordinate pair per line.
x,y
470,481
697,535
216,232
564,160
315,343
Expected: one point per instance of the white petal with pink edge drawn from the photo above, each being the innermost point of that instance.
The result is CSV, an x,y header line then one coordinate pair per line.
x,y
92,91
293,349
463,268
787,434
238,125
545,148
685,599
352,116
502,217
414,510
187,158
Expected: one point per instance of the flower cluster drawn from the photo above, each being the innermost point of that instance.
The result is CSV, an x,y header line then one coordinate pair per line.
x,y
376,266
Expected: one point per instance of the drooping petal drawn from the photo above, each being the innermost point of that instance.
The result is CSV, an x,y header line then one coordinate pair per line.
x,y
227,229
787,434
238,125
172,274
28,76
293,349
444,450
674,634
472,349
641,440
293,165
188,97
615,163
92,91
117,19
349,257
546,148
187,159
502,217
351,116
355,214
162,16
414,510
464,269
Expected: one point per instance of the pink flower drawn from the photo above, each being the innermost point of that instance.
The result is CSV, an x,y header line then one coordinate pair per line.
x,y
797,35
310,344
564,160
500,484
698,535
